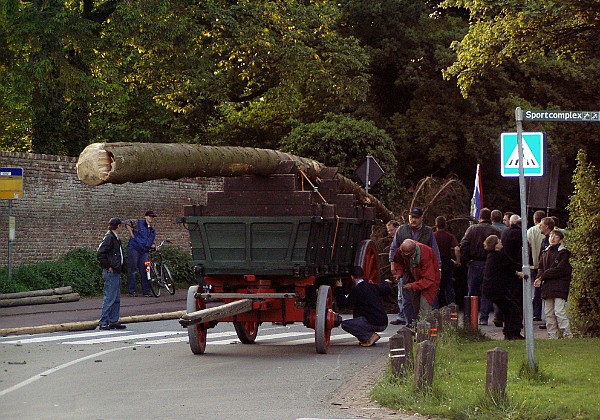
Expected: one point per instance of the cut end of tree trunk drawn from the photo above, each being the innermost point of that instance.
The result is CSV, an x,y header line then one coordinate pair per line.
x,y
94,165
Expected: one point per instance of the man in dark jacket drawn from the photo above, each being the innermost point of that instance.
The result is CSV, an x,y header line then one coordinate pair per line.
x,y
369,315
473,254
110,256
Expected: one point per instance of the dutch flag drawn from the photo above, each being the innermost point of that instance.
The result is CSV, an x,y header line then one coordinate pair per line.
x,y
477,200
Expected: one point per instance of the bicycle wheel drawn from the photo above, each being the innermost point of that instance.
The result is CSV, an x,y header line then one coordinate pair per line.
x,y
154,280
167,279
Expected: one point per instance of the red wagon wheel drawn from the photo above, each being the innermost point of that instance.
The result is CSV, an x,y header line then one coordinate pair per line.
x,y
246,331
196,332
368,259
324,319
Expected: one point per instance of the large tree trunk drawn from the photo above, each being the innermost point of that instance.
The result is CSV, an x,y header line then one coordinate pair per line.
x,y
117,163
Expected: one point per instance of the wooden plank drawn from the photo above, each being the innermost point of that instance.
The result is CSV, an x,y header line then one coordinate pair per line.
x,y
216,313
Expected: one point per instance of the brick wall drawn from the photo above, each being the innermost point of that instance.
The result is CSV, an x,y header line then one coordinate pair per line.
x,y
58,213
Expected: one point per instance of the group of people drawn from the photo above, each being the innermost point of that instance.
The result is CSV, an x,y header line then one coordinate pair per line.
x,y
110,255
494,257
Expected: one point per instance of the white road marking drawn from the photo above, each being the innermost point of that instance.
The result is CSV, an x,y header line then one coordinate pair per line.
x,y
59,337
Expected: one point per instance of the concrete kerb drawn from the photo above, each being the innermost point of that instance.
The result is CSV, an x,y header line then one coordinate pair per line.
x,y
87,325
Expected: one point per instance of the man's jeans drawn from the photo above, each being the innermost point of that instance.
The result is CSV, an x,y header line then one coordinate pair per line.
x,y
111,306
135,262
406,311
475,281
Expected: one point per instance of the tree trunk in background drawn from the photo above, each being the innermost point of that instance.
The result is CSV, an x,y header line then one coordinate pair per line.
x,y
117,163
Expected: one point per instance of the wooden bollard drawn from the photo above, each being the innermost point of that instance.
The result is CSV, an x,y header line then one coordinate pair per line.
x,y
401,351
433,325
496,372
423,331
445,317
474,312
453,307
439,317
424,365
467,312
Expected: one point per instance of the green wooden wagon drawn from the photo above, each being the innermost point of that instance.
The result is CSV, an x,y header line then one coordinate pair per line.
x,y
271,248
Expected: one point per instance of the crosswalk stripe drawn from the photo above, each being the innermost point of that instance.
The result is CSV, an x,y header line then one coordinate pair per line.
x,y
60,337
128,337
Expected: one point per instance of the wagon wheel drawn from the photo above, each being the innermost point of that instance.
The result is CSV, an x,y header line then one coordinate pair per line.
x,y
322,320
368,259
246,331
196,332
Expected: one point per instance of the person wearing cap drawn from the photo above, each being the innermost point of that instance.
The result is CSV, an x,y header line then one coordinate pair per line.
x,y
420,232
142,235
110,256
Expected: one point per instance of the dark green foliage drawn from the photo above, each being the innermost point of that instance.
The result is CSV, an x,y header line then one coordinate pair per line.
x,y
78,269
583,239
180,264
345,142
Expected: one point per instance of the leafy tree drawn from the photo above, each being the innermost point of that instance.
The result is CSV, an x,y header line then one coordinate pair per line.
x,y
345,142
584,243
237,73
501,31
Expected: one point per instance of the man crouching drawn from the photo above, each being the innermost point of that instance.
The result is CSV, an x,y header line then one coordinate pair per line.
x,y
369,315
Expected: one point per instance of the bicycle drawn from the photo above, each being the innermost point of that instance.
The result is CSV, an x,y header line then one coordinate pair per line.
x,y
158,273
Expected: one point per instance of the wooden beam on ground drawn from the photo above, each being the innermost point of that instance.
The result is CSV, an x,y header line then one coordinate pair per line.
x,y
45,292
218,312
87,325
39,300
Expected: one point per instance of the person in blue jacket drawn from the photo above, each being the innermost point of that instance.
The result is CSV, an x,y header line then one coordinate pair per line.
x,y
142,235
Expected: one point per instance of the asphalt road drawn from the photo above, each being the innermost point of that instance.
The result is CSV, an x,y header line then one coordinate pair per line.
x,y
148,371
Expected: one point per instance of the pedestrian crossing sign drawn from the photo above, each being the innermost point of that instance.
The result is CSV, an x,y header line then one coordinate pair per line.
x,y
533,154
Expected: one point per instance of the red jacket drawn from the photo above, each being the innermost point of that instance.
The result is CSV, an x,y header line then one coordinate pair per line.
x,y
424,275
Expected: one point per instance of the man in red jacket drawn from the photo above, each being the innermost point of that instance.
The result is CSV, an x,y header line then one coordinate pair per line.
x,y
420,264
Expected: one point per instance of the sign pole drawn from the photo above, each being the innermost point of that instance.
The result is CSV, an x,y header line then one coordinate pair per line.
x,y
368,171
10,240
527,302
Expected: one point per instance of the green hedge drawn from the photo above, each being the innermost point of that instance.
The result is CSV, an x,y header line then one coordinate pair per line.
x,y
80,270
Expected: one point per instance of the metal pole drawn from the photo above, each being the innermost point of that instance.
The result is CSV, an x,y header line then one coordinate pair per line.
x,y
367,175
9,242
527,302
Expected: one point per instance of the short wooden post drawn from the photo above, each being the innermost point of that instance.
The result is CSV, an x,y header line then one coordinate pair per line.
x,y
445,317
401,351
432,318
423,331
453,307
424,365
497,367
474,312
467,312
439,316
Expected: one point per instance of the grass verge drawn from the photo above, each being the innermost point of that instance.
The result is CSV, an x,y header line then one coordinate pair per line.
x,y
564,384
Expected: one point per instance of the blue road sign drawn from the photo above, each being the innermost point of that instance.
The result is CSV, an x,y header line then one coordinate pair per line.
x,y
533,154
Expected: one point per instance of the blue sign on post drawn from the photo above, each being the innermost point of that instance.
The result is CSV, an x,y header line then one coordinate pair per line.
x,y
533,154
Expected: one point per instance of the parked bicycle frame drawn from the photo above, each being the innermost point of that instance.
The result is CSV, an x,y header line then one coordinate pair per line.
x,y
158,273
